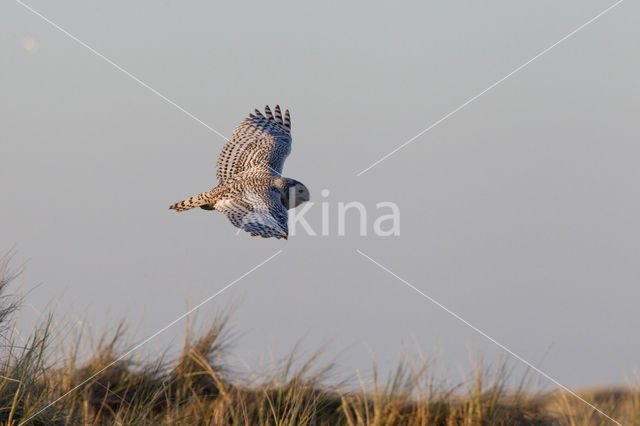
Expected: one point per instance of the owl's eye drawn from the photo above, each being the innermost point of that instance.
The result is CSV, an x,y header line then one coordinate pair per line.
x,y
300,191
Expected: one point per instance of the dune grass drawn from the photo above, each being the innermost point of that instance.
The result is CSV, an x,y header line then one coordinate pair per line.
x,y
42,382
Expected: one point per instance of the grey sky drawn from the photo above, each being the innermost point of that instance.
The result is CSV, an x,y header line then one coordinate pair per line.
x,y
520,212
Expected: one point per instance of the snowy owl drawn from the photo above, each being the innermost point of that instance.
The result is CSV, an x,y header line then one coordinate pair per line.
x,y
252,192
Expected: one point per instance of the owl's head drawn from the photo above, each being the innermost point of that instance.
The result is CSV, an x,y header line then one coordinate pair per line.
x,y
294,194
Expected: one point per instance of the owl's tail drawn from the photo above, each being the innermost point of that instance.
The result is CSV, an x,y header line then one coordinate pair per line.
x,y
204,200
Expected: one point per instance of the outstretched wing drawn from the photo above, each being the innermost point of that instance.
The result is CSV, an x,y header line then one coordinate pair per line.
x,y
257,212
258,146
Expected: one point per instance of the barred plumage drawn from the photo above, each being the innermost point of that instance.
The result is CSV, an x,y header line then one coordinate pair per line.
x,y
252,193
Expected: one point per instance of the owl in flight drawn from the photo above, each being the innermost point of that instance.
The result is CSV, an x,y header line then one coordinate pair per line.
x,y
252,192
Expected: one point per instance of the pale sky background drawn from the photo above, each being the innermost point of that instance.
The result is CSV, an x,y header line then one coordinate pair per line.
x,y
520,212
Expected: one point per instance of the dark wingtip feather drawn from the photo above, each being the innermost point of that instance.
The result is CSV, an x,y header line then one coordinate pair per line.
x,y
287,119
279,115
267,111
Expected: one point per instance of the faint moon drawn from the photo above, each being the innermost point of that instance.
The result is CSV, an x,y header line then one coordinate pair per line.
x,y
29,44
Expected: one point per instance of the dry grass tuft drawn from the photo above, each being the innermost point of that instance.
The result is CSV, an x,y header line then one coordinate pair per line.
x,y
196,388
